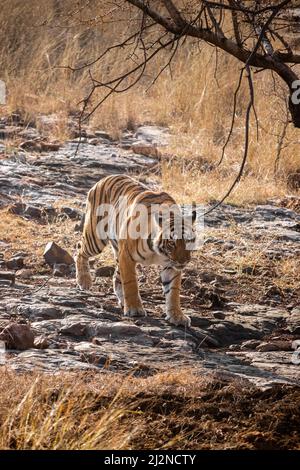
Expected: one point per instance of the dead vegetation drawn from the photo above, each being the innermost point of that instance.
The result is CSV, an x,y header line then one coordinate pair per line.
x,y
31,236
166,411
192,97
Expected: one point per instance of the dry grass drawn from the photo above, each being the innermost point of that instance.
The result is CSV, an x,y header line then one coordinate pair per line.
x,y
169,410
196,106
31,237
187,185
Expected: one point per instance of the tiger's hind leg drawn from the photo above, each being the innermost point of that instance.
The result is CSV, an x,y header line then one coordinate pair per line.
x,y
117,284
83,274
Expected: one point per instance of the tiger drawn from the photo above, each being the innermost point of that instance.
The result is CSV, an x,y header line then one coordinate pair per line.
x,y
160,244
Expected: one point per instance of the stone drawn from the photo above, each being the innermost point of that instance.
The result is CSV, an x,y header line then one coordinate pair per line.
x,y
25,273
102,134
9,132
41,312
32,211
90,352
220,315
49,146
54,254
29,134
145,148
116,330
69,302
62,270
8,276
18,336
17,262
105,271
72,213
153,134
15,118
41,342
49,360
94,141
293,321
75,328
268,346
32,145
250,344
27,210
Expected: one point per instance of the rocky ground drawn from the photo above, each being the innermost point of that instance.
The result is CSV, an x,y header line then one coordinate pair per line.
x,y
244,306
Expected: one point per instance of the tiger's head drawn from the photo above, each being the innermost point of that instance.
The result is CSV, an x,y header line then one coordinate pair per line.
x,y
175,239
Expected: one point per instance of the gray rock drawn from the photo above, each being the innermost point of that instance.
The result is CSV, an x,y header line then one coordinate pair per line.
x,y
218,314
62,270
103,135
153,134
41,342
275,345
8,276
46,327
9,132
17,336
29,134
92,353
17,262
250,344
54,254
145,148
41,312
293,321
115,330
49,361
105,271
75,328
69,302
72,213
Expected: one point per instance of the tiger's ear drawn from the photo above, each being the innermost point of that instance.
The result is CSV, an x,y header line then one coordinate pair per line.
x,y
194,212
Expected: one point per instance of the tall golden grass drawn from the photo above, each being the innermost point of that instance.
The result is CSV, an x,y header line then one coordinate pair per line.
x,y
171,410
193,97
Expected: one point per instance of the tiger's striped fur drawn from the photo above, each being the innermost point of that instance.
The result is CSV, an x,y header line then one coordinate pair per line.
x,y
170,253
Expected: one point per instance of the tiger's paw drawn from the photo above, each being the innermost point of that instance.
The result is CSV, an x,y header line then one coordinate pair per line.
x,y
84,281
135,312
178,319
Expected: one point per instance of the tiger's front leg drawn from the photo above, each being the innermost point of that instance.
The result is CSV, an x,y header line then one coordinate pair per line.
x,y
132,300
171,281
